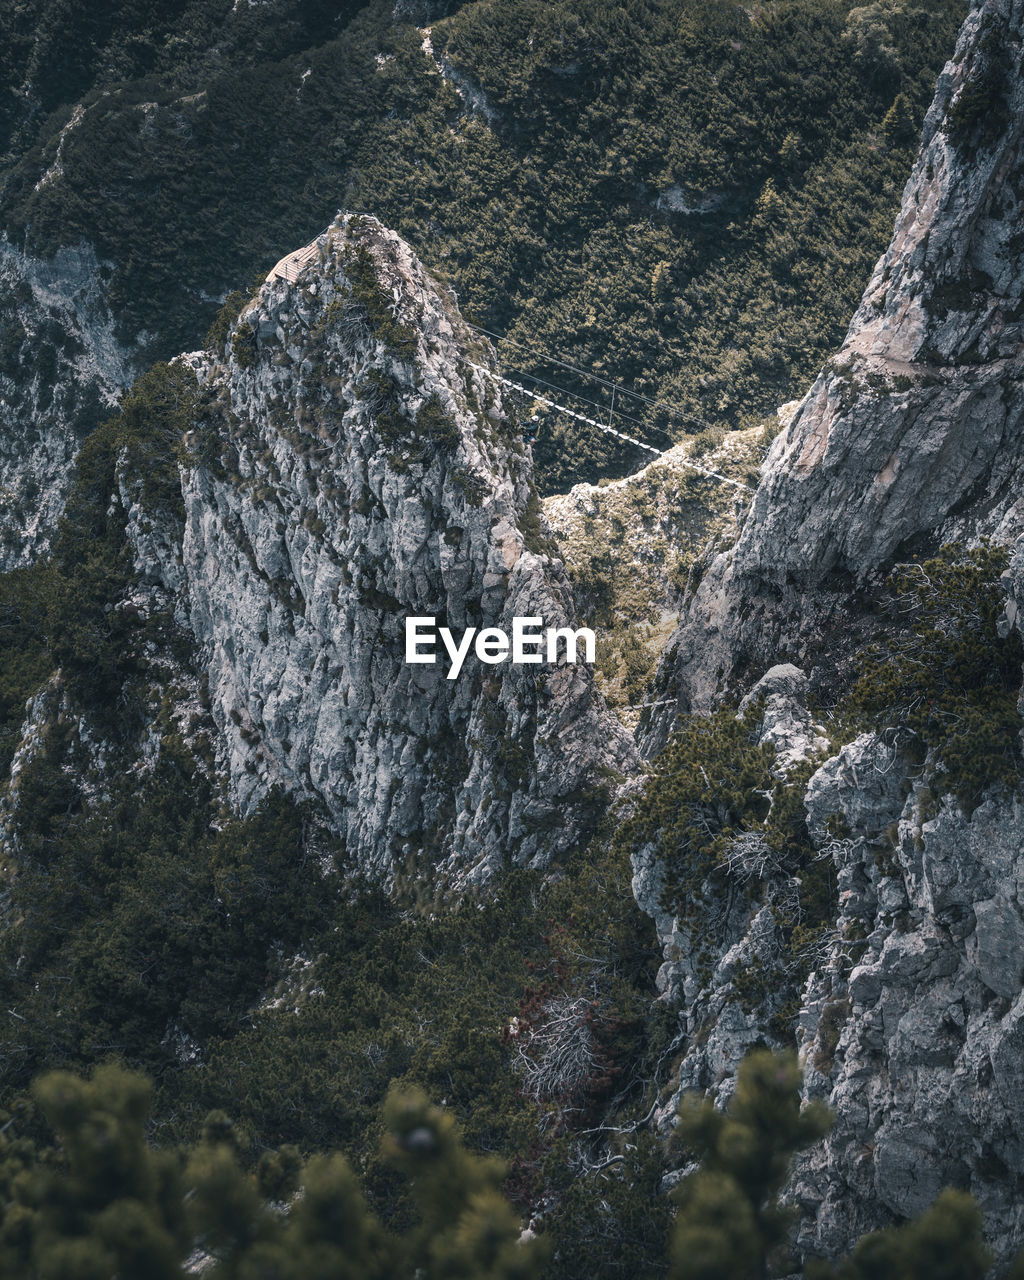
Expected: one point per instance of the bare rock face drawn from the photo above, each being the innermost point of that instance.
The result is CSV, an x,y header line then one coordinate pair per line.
x,y
351,469
61,371
912,1031
913,431
719,1025
786,722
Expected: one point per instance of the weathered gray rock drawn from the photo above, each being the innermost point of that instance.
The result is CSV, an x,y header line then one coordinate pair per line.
x,y
352,470
786,723
996,948
718,1021
912,1019
912,431
912,1035
61,371
863,785
1013,616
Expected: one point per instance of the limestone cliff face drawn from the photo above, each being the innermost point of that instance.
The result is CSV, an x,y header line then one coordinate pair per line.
x,y
911,1021
915,1035
61,371
702,976
351,469
913,431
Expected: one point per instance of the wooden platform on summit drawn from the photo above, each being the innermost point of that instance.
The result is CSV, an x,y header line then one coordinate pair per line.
x,y
290,266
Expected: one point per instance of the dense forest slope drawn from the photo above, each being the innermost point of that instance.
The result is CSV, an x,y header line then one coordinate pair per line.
x,y
685,199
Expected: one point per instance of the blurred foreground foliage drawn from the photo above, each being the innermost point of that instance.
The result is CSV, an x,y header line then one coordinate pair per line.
x,y
85,1196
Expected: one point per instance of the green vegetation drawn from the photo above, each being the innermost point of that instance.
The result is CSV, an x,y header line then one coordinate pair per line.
x,y
410,437
67,611
727,311
721,824
103,1203
24,662
628,547
245,965
97,640
707,785
224,319
944,1243
139,923
368,293
943,680
84,1196
140,933
243,344
248,969
62,51
730,1222
553,231
535,536
435,424
980,112
686,198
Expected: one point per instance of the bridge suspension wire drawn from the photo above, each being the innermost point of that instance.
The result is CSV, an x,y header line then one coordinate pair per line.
x,y
551,386
608,430
678,410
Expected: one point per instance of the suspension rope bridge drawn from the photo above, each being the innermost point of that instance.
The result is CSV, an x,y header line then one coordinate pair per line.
x,y
607,428
616,388
617,412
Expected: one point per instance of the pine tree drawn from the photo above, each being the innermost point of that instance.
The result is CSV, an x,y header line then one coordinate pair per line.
x,y
898,126
944,1243
105,1204
467,1228
730,1221
111,1205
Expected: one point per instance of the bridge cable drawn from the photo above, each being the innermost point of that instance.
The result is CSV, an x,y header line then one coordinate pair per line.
x,y
608,430
542,382
586,373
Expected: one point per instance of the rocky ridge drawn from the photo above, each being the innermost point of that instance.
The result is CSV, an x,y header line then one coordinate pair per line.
x,y
914,1036
349,469
629,544
62,369
911,434
719,1030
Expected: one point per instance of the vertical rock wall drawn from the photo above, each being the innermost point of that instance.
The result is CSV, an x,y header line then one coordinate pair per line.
x,y
914,431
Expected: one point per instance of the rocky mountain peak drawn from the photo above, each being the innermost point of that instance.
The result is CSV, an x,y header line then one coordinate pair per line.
x,y
910,1003
350,468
